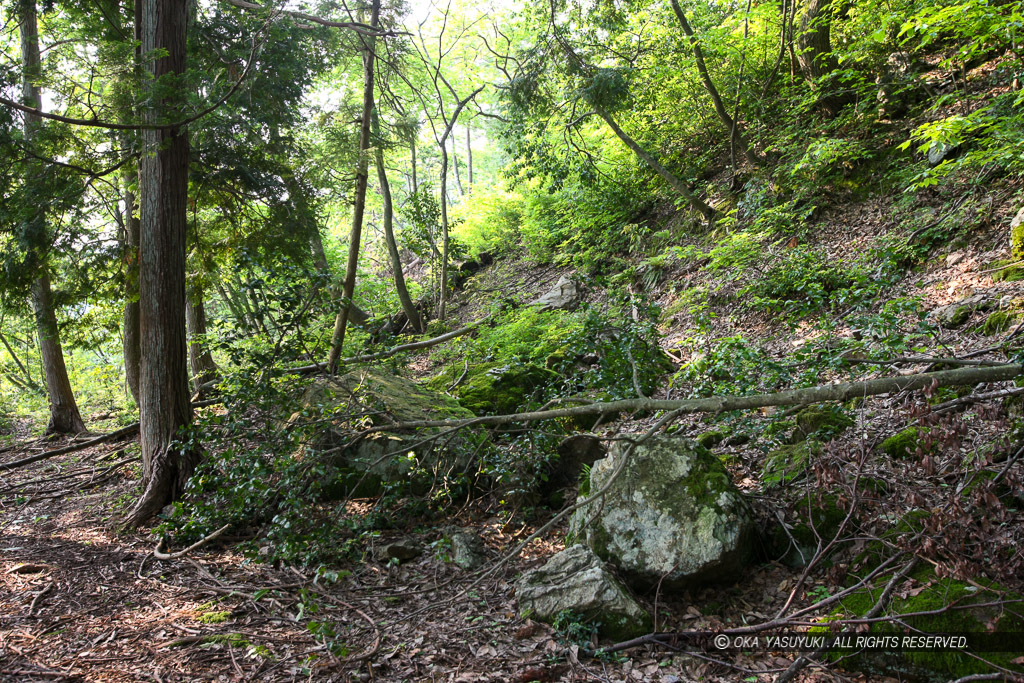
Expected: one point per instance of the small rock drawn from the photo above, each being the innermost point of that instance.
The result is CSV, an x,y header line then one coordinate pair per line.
x,y
564,295
940,151
575,580
467,549
402,550
955,258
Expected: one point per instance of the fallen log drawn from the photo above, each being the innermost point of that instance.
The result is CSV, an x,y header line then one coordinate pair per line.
x,y
842,391
130,430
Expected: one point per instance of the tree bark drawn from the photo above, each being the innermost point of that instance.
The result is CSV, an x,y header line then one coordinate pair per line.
x,y
164,406
389,235
204,369
64,415
814,50
412,149
730,123
469,156
362,179
130,329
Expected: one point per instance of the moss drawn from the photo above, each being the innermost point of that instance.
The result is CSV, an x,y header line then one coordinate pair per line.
x,y
789,462
931,593
960,316
711,439
998,322
814,519
494,388
903,444
821,421
707,480
1007,272
213,617
1017,242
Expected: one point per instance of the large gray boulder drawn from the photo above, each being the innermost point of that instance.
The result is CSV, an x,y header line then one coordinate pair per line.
x,y
576,581
671,516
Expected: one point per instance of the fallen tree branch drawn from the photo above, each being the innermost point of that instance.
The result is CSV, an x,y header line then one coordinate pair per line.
x,y
130,430
843,391
976,398
159,554
411,346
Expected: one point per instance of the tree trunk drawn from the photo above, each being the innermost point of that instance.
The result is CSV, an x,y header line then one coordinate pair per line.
x,y
814,50
64,415
164,406
445,241
469,157
455,163
204,369
674,181
389,235
130,334
412,149
730,123
362,179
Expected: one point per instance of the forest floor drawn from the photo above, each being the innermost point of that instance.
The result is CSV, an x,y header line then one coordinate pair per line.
x,y
80,600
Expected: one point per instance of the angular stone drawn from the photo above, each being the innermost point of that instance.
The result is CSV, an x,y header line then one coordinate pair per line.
x,y
564,295
576,581
672,516
467,549
402,550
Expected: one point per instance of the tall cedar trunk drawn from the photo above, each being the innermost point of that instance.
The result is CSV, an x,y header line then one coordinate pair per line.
x,y
64,415
469,157
362,179
164,407
716,99
130,335
389,235
814,50
204,369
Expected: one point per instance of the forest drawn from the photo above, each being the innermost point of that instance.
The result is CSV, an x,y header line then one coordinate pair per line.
x,y
568,340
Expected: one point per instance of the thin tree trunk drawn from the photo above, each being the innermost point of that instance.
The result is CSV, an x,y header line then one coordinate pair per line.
x,y
362,179
236,311
455,162
389,235
469,156
204,369
164,406
64,415
674,181
130,329
412,149
735,131
445,241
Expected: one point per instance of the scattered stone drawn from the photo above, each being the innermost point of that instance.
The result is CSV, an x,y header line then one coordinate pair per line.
x,y
998,322
467,548
955,258
825,421
737,439
402,550
564,296
816,519
1017,236
672,515
789,462
941,151
711,439
955,315
576,581
574,453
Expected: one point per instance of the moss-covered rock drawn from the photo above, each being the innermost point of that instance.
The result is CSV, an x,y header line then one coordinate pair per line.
x,y
816,518
903,444
495,388
330,407
671,516
789,462
998,322
820,421
1007,271
1017,236
711,439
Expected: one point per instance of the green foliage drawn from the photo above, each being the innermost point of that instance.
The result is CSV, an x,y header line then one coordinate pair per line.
x,y
574,629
